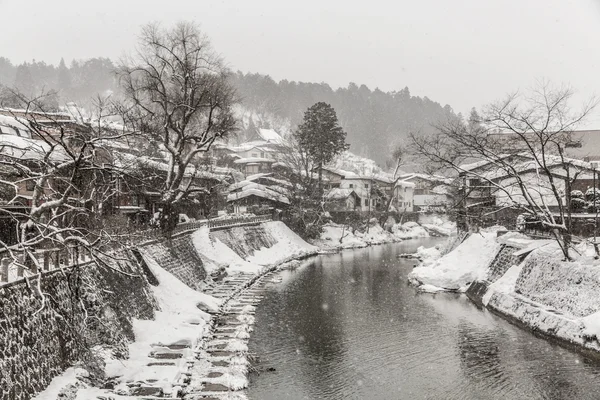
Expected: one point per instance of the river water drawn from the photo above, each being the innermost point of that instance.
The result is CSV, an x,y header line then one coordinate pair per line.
x,y
348,326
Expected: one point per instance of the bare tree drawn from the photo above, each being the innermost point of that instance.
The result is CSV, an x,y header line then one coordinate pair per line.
x,y
305,214
59,172
517,154
178,95
398,155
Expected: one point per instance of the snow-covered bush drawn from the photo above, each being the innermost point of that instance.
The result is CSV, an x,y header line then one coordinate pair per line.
x,y
578,204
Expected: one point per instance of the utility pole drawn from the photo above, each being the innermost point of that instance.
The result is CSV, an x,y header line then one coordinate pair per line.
x,y
594,166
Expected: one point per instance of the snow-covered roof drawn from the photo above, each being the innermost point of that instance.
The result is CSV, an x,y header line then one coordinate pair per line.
x,y
529,164
260,145
277,185
14,126
130,161
339,194
26,149
403,183
427,177
270,136
253,160
255,189
343,173
38,116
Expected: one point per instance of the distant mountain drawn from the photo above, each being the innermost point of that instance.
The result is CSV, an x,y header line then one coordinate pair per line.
x,y
374,120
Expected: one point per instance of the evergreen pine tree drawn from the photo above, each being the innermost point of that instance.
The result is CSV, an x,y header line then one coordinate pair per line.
x,y
64,78
321,136
24,80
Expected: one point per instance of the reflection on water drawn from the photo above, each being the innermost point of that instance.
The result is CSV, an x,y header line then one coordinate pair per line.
x,y
347,326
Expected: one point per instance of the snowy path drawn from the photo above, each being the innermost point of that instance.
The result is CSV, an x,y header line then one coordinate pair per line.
x,y
222,368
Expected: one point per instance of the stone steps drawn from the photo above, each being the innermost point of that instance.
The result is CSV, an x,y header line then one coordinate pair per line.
x,y
225,350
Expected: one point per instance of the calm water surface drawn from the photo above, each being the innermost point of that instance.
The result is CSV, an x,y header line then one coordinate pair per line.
x,y
347,326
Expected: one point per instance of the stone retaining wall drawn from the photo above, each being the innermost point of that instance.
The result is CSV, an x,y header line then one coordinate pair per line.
x,y
503,260
43,334
179,257
570,288
245,240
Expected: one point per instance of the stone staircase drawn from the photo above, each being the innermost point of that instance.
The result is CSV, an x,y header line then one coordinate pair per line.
x,y
218,367
221,372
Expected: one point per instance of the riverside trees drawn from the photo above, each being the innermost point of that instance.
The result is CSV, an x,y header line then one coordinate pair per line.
x,y
516,154
177,94
177,101
321,136
316,142
56,179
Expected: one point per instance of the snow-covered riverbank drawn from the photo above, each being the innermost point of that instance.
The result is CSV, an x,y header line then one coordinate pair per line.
x,y
160,359
164,348
337,236
538,290
456,270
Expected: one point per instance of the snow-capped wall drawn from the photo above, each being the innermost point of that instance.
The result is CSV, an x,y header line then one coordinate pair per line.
x,y
460,267
81,307
126,315
245,240
249,248
556,298
179,257
502,262
571,287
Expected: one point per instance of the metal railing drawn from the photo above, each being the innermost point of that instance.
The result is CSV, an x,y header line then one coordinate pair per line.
x,y
47,260
54,259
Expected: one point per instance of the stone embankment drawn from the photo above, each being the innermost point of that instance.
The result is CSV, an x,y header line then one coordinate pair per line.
x,y
167,319
527,282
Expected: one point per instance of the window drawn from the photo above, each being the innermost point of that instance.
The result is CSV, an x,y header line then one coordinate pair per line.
x,y
351,186
474,182
366,202
366,185
573,144
262,154
252,169
255,155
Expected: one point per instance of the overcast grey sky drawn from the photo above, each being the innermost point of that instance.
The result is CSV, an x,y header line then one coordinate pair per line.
x,y
464,53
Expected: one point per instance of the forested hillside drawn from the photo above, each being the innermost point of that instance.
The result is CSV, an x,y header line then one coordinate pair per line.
x,y
78,82
374,120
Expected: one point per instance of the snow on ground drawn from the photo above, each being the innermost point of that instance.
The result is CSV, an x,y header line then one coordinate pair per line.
x,y
505,284
457,269
548,294
428,255
338,236
178,321
288,245
60,382
573,287
215,254
439,226
409,230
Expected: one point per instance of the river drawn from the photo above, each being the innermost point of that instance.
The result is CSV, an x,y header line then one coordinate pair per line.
x,y
348,326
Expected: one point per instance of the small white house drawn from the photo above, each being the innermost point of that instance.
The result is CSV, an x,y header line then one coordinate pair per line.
x,y
404,193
